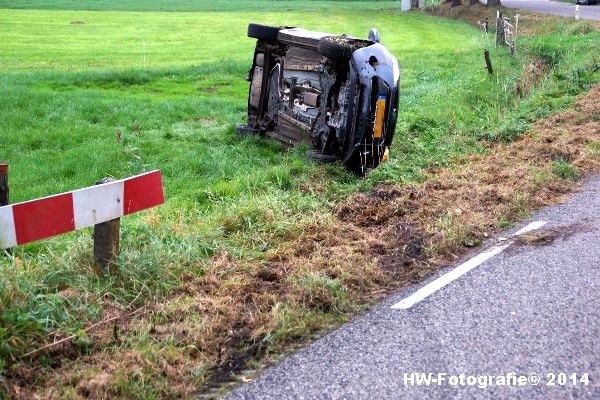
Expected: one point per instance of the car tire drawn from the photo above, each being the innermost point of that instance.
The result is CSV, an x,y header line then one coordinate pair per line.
x,y
361,164
242,130
339,47
318,156
263,32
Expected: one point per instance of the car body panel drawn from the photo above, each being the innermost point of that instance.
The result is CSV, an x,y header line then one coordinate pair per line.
x,y
325,90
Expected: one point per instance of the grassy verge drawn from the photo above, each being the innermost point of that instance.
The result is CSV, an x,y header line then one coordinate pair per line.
x,y
197,6
256,249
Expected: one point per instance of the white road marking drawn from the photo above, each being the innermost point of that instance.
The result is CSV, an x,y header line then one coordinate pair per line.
x,y
529,228
459,271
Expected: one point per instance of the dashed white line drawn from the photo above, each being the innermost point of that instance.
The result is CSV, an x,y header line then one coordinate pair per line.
x,y
459,271
529,228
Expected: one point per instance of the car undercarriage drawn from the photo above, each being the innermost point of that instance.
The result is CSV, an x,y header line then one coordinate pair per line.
x,y
338,94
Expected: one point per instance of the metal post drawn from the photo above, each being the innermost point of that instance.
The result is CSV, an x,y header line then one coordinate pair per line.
x,y
106,242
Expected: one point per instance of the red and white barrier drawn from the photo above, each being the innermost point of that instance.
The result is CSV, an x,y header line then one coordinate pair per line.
x,y
50,216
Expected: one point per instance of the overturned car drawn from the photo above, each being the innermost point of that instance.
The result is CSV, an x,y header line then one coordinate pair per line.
x,y
337,93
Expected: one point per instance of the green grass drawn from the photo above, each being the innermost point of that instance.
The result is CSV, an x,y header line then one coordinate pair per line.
x,y
198,5
132,89
564,170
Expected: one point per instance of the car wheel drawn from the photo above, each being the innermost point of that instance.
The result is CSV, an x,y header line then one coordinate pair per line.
x,y
362,161
264,32
246,130
318,156
340,47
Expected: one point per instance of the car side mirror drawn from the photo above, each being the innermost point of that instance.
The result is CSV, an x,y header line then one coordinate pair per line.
x,y
374,35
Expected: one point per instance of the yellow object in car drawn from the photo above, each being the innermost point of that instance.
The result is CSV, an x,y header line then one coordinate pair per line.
x,y
379,117
386,154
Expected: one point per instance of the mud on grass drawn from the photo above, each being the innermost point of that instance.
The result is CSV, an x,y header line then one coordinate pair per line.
x,y
529,22
546,237
456,208
217,329
217,326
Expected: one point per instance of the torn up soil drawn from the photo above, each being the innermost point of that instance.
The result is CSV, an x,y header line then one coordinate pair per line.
x,y
213,89
217,329
546,237
529,22
458,207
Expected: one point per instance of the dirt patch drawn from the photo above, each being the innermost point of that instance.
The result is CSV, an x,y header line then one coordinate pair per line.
x,y
470,14
94,387
543,238
529,22
205,121
546,237
215,327
478,13
531,77
405,261
458,207
218,326
213,89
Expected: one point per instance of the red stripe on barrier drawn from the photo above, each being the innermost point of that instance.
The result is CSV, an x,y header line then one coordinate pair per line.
x,y
143,192
43,218
3,169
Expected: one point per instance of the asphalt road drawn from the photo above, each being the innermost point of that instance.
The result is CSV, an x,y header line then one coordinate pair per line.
x,y
531,309
555,8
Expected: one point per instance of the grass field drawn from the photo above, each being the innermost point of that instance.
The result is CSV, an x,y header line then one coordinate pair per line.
x,y
201,6
97,88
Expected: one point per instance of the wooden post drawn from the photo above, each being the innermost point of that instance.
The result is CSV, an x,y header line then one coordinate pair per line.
x,y
516,33
106,242
500,39
488,61
4,194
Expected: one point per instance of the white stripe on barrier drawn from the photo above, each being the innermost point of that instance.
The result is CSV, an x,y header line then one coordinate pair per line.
x,y
42,218
8,236
98,204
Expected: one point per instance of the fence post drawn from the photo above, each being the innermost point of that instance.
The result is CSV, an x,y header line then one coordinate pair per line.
x,y
4,193
488,61
500,39
106,242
